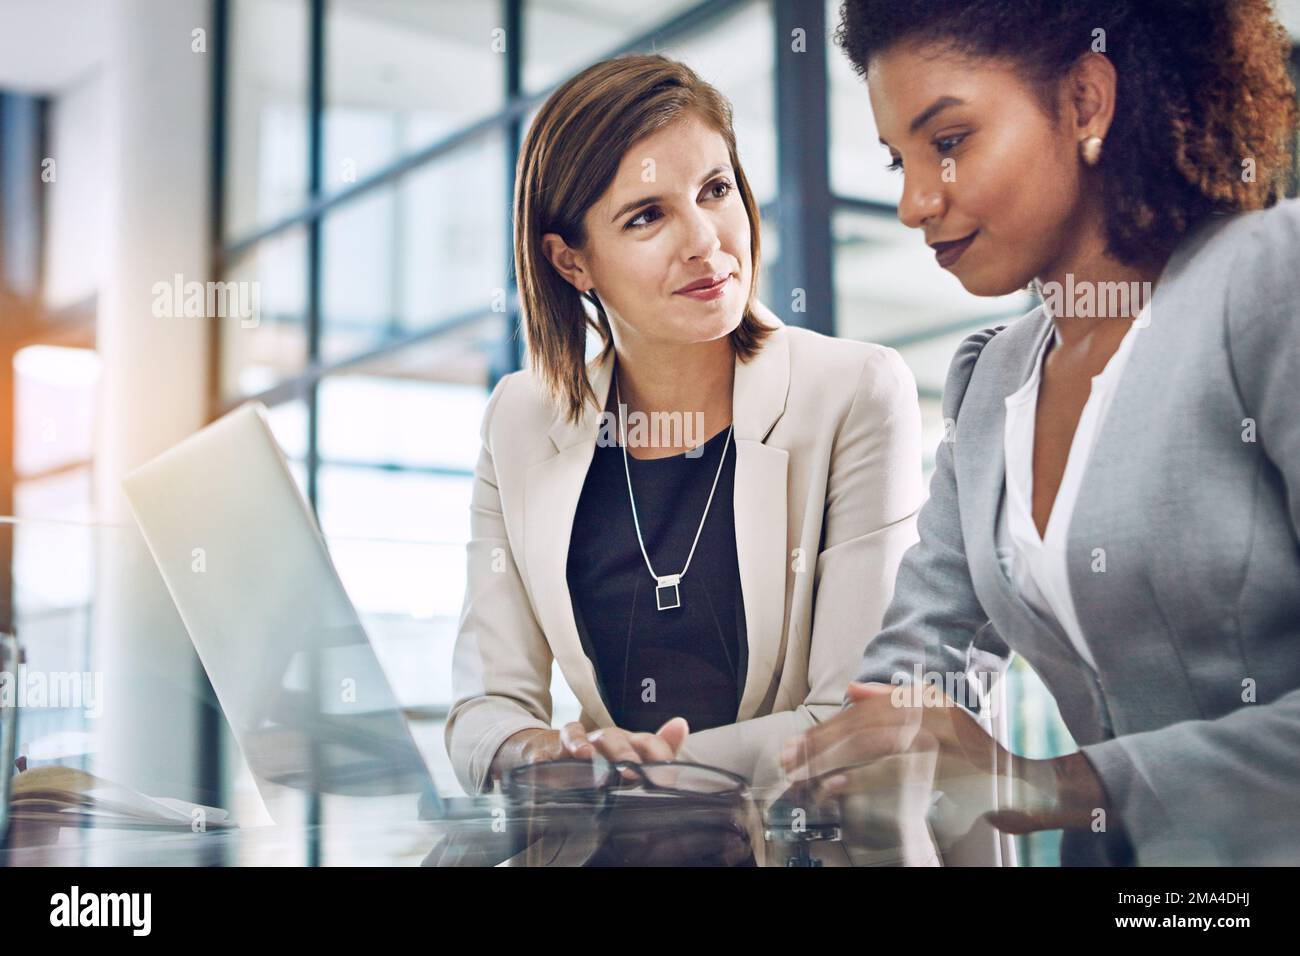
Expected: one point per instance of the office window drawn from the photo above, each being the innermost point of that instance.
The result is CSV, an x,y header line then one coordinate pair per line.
x,y
267,115
405,257
392,412
360,274
399,439
259,351
453,236
563,36
857,158
400,74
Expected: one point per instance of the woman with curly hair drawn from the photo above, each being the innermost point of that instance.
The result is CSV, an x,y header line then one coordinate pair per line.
x,y
1117,497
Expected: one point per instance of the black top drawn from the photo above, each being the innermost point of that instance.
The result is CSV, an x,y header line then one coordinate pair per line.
x,y
654,665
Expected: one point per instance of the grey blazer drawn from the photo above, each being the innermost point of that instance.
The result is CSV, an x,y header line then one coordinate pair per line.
x,y
1183,558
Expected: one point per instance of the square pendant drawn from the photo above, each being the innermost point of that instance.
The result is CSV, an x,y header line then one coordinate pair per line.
x,y
667,595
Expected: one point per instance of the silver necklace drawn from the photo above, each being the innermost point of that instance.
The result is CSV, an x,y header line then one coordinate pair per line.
x,y
667,593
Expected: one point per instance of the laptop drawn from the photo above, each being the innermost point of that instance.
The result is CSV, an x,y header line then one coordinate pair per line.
x,y
284,649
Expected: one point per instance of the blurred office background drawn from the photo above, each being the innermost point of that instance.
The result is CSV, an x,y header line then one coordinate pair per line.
x,y
354,158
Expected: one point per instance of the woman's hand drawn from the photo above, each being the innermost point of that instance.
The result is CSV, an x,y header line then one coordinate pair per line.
x,y
888,719
614,743
959,757
573,742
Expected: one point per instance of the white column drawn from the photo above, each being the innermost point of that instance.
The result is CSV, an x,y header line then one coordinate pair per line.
x,y
157,137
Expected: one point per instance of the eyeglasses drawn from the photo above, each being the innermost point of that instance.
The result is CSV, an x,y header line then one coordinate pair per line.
x,y
591,779
624,813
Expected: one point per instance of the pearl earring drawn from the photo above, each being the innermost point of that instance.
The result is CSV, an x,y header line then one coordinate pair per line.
x,y
1090,150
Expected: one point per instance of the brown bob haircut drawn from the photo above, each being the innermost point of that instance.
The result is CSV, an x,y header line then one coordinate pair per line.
x,y
568,160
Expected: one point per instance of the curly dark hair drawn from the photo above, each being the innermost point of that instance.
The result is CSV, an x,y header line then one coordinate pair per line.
x,y
1202,87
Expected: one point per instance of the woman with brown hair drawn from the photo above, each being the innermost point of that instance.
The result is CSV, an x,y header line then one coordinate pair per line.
x,y
701,524
1120,500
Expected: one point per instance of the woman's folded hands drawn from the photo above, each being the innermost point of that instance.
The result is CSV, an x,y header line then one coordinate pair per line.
x,y
574,742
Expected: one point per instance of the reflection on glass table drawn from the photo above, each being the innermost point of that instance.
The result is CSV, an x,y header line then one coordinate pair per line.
x,y
303,772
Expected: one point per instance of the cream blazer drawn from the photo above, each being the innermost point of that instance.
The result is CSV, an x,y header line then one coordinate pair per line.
x,y
828,484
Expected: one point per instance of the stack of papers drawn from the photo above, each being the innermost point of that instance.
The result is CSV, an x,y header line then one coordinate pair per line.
x,y
69,797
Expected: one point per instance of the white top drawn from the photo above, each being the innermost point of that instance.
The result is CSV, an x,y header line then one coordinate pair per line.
x,y
1037,566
